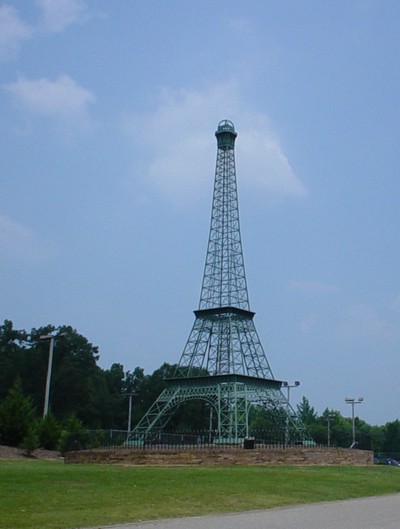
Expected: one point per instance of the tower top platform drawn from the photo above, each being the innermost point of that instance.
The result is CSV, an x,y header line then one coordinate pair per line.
x,y
226,135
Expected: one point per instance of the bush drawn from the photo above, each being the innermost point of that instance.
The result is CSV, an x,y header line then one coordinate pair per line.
x,y
49,430
16,416
30,441
73,436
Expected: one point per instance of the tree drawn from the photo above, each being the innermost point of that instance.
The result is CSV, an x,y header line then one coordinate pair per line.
x,y
314,424
133,380
340,429
73,435
75,378
306,413
268,424
16,416
35,360
377,438
392,437
97,397
49,431
12,344
151,387
30,442
190,415
114,399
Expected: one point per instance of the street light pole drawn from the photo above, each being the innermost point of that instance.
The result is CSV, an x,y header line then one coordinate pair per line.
x,y
330,418
130,395
353,402
48,378
130,413
288,387
49,369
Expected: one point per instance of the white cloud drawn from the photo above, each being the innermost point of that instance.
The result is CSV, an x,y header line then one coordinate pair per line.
x,y
265,163
62,99
58,14
20,242
13,31
181,146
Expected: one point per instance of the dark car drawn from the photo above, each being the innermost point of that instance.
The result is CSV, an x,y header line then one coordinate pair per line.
x,y
386,461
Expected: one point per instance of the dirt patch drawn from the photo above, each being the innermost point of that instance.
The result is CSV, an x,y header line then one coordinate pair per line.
x,y
9,452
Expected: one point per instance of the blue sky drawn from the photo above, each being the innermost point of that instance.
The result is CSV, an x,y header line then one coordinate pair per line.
x,y
107,119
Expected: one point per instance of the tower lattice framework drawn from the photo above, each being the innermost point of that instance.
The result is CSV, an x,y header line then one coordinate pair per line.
x,y
223,361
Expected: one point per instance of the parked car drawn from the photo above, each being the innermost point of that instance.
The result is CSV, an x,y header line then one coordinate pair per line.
x,y
386,461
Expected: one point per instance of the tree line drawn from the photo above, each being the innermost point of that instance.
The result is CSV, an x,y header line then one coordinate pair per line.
x,y
83,395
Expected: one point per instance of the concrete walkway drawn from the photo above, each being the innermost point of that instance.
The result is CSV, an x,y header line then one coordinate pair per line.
x,y
377,512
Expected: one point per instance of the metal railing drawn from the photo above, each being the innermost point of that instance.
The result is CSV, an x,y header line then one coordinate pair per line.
x,y
161,440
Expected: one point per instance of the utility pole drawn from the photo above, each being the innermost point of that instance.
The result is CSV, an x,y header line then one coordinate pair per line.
x,y
353,402
51,339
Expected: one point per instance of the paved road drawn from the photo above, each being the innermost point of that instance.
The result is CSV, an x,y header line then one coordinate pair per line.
x,y
378,512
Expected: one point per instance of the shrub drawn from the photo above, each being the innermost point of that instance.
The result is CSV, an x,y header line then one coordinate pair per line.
x,y
49,430
16,416
30,441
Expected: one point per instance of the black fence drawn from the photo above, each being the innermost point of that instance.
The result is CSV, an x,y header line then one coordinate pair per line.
x,y
120,439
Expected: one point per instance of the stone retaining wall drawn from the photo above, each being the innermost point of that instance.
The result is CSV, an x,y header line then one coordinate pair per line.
x,y
215,457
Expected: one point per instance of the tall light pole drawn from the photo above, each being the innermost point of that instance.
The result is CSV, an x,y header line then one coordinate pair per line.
x,y
353,402
130,395
288,387
49,369
329,419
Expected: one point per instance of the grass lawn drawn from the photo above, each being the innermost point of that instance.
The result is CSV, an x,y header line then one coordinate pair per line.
x,y
51,495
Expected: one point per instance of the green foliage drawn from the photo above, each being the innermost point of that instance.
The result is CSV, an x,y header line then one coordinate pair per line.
x,y
73,436
16,415
377,438
97,398
267,420
73,424
74,377
49,431
391,437
30,441
78,384
11,356
306,412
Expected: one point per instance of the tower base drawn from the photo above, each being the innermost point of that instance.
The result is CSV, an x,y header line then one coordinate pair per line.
x,y
230,398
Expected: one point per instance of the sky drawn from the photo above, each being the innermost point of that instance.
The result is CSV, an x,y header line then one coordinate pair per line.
x,y
107,118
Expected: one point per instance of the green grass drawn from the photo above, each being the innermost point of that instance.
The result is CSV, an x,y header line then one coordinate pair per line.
x,y
51,495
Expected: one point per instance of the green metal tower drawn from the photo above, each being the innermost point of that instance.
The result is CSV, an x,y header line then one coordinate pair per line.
x,y
223,362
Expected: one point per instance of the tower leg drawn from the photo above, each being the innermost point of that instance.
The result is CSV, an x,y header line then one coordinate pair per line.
x,y
231,400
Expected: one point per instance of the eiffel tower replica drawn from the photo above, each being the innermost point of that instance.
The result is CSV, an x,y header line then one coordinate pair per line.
x,y
223,362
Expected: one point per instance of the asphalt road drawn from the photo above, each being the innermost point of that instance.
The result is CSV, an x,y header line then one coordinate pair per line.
x,y
377,512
